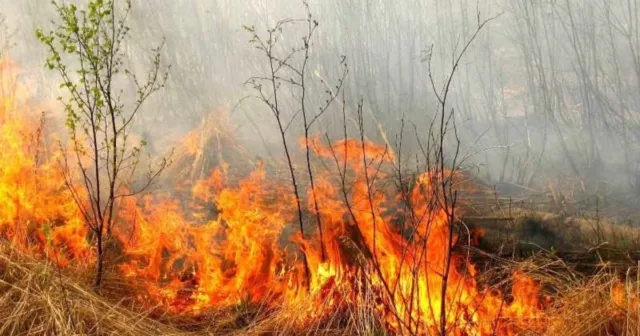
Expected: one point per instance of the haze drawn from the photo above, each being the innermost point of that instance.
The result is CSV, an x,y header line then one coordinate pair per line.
x,y
547,92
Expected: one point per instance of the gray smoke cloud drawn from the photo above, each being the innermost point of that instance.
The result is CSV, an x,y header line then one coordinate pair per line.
x,y
549,90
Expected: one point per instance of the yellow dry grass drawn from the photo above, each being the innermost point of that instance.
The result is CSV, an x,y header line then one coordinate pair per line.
x,y
37,299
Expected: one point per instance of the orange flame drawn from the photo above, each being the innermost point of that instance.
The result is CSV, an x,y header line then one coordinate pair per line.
x,y
37,211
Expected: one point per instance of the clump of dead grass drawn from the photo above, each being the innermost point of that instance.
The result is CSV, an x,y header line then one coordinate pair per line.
x,y
209,146
604,303
37,299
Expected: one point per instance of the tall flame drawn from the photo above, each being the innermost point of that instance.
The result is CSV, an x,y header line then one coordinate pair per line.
x,y
37,211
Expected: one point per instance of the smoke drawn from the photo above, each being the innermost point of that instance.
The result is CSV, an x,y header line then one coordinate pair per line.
x,y
548,91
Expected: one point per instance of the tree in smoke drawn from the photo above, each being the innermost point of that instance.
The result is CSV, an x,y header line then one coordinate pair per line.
x,y
288,74
86,48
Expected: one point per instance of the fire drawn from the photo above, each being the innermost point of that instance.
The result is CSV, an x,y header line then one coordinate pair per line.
x,y
234,242
249,250
622,296
38,212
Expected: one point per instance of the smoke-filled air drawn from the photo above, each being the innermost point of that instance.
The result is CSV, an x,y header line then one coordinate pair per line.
x,y
320,167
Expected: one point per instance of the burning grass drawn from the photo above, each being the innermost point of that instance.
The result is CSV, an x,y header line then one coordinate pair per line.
x,y
39,298
227,258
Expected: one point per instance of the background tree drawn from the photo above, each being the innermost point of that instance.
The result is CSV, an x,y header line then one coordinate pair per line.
x,y
86,48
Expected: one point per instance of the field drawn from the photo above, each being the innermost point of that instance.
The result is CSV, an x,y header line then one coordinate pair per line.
x,y
338,219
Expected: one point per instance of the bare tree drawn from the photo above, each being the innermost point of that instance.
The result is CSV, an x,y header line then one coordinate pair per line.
x,y
288,74
440,195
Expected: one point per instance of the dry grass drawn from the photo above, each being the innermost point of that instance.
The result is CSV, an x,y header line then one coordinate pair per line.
x,y
587,307
36,299
207,147
575,304
601,240
587,233
599,304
